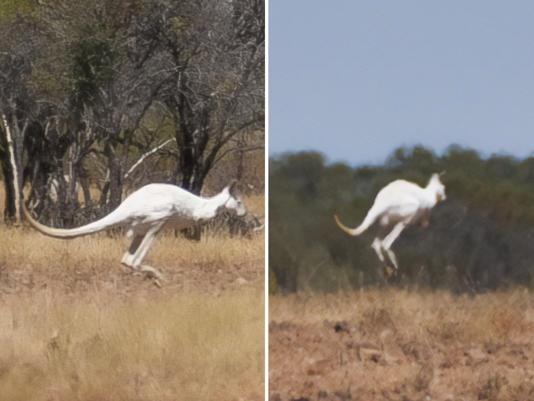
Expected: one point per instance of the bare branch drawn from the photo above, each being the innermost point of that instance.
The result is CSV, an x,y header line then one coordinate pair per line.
x,y
144,156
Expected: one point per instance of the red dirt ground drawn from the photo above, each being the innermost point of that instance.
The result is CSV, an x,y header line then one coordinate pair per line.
x,y
378,356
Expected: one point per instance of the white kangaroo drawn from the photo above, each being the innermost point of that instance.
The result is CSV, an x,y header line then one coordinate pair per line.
x,y
400,203
146,211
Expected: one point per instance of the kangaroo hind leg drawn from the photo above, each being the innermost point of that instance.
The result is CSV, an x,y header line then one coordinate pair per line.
x,y
388,242
129,256
378,247
137,251
142,251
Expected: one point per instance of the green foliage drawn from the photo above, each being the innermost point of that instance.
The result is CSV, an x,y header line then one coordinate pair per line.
x,y
477,239
11,8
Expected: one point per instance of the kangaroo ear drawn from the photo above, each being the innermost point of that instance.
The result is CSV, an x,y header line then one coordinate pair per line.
x,y
232,187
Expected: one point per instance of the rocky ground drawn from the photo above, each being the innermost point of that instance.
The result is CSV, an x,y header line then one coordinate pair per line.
x,y
402,346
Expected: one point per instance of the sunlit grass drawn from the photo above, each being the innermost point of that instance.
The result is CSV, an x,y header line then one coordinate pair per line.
x,y
98,347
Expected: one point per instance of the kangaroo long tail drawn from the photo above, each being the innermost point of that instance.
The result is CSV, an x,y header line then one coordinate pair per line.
x,y
367,222
108,221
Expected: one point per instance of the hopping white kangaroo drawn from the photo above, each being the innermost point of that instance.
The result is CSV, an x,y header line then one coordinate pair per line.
x,y
400,203
146,211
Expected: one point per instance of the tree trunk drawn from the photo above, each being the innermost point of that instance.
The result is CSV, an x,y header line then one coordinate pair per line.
x,y
190,180
186,168
16,170
9,208
86,187
115,179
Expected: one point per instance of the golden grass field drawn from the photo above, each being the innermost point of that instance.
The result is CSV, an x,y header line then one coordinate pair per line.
x,y
399,345
76,325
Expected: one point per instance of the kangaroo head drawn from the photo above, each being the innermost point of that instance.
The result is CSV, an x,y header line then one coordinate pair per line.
x,y
234,202
437,186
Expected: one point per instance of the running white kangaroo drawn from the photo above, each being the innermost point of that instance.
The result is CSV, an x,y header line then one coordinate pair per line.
x,y
146,211
400,203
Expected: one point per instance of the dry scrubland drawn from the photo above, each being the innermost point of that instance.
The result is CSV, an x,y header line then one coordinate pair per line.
x,y
76,325
400,345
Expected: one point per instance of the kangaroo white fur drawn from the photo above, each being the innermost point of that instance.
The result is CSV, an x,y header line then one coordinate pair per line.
x,y
146,211
399,204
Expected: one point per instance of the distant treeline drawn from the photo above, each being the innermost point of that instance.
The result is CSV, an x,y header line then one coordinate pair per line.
x,y
481,238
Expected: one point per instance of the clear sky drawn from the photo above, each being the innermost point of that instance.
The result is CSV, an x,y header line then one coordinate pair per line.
x,y
356,79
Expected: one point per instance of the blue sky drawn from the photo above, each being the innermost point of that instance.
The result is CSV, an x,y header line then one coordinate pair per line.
x,y
356,79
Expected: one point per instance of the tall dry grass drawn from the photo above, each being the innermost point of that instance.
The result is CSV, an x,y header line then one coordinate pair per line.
x,y
93,346
76,325
428,316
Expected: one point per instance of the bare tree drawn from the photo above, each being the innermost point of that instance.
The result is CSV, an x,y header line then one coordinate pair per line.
x,y
214,92
16,54
114,83
91,92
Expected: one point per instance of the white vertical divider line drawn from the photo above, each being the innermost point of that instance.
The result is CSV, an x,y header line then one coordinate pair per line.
x,y
266,206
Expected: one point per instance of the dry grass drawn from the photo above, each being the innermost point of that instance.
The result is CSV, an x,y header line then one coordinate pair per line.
x,y
438,316
75,325
399,345
93,346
